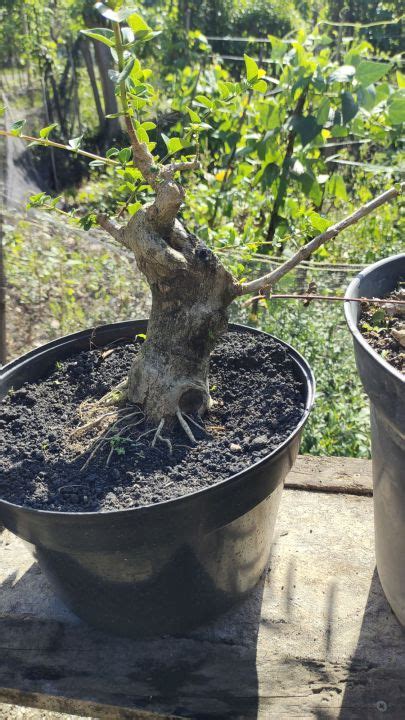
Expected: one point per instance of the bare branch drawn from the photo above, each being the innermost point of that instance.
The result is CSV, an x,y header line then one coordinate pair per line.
x,y
331,298
50,143
168,171
303,253
112,228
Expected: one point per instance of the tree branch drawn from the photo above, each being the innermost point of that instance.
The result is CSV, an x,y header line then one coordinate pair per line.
x,y
60,146
142,158
307,250
112,228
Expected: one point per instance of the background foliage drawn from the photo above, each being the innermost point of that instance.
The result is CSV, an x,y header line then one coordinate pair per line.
x,y
314,134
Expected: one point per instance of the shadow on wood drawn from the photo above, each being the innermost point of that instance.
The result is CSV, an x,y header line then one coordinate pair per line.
x,y
376,682
62,664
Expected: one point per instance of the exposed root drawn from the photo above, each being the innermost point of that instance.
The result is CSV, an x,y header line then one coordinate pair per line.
x,y
190,419
93,423
159,436
185,426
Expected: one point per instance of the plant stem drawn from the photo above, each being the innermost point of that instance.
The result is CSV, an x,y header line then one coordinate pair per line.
x,y
285,170
330,298
304,252
60,146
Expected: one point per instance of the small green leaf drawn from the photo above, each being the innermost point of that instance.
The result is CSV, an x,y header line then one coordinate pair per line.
x,y
203,100
16,127
260,86
396,111
306,127
378,317
103,35
317,221
194,117
323,112
400,79
137,24
124,155
252,68
349,106
134,207
370,71
337,188
126,71
47,130
112,152
344,73
148,125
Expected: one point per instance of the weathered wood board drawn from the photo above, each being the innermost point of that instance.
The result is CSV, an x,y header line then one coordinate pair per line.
x,y
317,638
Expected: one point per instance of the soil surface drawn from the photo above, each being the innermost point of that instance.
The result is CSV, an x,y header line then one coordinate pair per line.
x,y
384,329
258,403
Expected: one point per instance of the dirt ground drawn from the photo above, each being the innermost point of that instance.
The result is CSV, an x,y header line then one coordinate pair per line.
x,y
16,712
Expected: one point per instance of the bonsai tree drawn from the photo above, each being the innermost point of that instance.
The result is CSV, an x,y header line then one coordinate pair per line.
x,y
191,289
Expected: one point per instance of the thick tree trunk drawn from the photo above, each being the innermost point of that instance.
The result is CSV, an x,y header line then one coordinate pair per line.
x,y
191,292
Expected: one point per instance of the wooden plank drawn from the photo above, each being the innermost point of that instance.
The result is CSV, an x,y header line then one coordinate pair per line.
x,y
331,474
316,638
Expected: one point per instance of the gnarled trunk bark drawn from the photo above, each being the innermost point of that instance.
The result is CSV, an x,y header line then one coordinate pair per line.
x,y
191,292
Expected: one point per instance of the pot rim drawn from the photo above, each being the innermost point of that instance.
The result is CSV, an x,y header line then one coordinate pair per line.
x,y
353,291
310,399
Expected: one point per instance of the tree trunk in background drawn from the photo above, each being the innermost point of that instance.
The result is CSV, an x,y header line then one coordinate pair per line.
x,y
88,59
104,64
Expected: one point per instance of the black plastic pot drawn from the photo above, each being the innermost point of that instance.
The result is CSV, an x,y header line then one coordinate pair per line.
x,y
385,387
160,568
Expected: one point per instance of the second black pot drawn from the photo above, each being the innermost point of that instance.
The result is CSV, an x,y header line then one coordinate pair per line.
x,y
160,568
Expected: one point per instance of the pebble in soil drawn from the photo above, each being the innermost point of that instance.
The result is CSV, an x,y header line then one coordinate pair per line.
x,y
258,403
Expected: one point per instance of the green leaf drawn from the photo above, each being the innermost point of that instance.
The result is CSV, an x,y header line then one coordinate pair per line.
x,y
134,207
124,155
16,127
269,175
369,71
137,24
47,130
148,125
87,221
337,188
344,73
96,163
194,117
367,97
103,35
317,221
260,86
323,112
126,71
75,142
203,100
400,79
2,110
306,127
38,199
252,68
396,111
378,317
349,106
142,134
111,152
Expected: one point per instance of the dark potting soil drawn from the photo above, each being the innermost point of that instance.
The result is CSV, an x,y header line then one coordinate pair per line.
x,y
384,328
258,403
